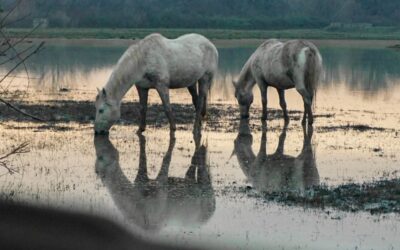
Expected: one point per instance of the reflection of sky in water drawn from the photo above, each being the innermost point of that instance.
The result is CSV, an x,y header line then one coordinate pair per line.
x,y
359,69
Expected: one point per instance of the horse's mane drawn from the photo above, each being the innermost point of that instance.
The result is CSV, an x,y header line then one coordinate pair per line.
x,y
245,73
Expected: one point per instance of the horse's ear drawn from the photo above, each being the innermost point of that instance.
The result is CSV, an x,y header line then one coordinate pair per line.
x,y
104,93
234,83
98,90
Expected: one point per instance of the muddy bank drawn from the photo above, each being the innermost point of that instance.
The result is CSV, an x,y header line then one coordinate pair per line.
x,y
376,197
220,117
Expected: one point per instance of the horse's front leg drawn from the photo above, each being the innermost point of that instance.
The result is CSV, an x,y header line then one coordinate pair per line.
x,y
282,102
193,92
143,96
264,101
163,91
204,87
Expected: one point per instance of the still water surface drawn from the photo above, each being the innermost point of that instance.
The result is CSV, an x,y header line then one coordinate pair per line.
x,y
369,67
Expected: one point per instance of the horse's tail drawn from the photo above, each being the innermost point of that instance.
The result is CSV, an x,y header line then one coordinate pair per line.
x,y
313,70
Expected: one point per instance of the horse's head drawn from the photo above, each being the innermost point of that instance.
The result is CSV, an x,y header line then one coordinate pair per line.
x,y
107,112
244,97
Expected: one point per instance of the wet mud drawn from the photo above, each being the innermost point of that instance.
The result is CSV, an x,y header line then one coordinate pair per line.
x,y
220,117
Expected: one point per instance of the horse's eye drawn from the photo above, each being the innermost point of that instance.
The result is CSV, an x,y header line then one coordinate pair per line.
x,y
101,111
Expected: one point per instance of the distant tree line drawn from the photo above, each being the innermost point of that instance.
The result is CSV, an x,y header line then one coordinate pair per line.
x,y
224,14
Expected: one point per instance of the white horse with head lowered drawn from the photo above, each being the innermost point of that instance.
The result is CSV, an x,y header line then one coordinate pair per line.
x,y
162,64
293,64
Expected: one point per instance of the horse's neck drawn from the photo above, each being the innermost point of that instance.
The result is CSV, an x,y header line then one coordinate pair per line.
x,y
246,78
125,74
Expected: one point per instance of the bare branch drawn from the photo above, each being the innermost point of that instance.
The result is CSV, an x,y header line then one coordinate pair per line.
x,y
17,55
16,20
21,54
20,149
9,13
11,45
38,48
20,111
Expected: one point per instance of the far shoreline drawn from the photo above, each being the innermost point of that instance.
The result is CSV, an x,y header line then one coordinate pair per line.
x,y
129,35
222,43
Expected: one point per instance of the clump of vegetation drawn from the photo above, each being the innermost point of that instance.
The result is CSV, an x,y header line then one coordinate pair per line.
x,y
377,197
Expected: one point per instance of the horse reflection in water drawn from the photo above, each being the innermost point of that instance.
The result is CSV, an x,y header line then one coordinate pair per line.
x,y
276,172
153,204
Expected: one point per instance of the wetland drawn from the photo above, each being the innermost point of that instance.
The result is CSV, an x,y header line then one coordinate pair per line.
x,y
241,183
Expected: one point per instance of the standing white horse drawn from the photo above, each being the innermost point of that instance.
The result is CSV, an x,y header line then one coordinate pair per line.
x,y
286,65
163,64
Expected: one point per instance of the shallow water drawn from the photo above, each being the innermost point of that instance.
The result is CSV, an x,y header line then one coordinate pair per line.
x,y
67,168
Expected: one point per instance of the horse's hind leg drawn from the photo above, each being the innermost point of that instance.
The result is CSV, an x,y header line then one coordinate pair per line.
x,y
307,97
143,96
193,92
282,102
308,113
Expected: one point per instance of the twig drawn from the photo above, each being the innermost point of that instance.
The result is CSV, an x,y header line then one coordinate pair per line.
x,y
17,55
20,111
20,149
10,45
23,60
16,20
9,13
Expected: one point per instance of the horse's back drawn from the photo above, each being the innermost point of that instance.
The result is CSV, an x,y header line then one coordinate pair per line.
x,y
186,43
195,46
181,61
275,61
